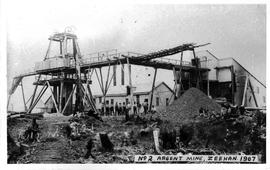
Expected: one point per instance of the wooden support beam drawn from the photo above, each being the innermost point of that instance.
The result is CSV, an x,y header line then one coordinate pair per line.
x,y
108,73
61,95
36,101
245,91
91,74
90,93
180,73
152,90
48,51
101,79
64,47
69,97
173,94
89,97
99,82
114,74
104,94
54,101
85,94
33,104
9,96
42,91
35,91
208,88
130,85
175,82
252,91
232,80
61,48
197,71
29,99
25,107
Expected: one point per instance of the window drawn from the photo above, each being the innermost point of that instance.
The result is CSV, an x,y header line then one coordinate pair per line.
x,y
167,101
157,101
264,99
112,101
100,99
126,100
146,100
107,102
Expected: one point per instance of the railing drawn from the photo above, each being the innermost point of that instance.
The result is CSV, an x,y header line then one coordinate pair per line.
x,y
99,59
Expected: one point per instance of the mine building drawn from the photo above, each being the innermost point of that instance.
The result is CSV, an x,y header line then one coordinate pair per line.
x,y
162,95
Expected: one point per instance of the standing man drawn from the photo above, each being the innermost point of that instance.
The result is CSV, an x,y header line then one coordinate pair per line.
x,y
120,109
145,106
116,109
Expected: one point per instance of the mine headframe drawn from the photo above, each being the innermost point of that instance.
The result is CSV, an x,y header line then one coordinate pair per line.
x,y
63,82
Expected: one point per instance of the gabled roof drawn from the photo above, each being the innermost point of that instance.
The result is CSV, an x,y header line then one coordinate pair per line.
x,y
140,89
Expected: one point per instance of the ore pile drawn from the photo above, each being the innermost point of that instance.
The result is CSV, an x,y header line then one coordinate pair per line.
x,y
186,108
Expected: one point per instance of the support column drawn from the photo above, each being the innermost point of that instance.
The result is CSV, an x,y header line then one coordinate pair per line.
x,y
55,93
68,100
61,95
180,74
64,47
208,89
152,91
61,48
130,85
102,90
35,91
232,80
9,96
42,91
197,71
25,107
54,101
102,86
245,91
107,80
176,90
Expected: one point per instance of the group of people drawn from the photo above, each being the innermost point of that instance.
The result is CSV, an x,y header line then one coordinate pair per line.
x,y
123,109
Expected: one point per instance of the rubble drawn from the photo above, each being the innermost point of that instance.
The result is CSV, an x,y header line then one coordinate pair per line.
x,y
186,108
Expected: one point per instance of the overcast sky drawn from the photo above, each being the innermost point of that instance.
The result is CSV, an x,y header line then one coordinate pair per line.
x,y
237,31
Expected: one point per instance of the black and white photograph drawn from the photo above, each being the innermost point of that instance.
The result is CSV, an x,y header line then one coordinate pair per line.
x,y
135,83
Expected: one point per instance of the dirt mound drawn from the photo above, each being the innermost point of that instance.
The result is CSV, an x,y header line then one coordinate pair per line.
x,y
186,108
